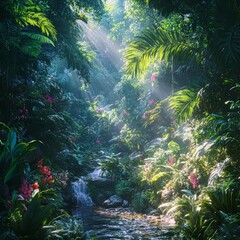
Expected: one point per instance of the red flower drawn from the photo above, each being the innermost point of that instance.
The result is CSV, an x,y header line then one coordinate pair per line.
x,y
98,141
35,185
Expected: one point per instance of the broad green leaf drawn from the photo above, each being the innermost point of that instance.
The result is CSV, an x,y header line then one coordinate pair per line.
x,y
10,172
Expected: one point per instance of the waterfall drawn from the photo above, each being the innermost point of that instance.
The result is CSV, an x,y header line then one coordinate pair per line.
x,y
80,193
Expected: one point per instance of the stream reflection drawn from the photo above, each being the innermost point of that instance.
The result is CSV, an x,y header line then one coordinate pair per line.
x,y
121,224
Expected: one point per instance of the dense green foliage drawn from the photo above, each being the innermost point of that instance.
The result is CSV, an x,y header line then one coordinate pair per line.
x,y
167,135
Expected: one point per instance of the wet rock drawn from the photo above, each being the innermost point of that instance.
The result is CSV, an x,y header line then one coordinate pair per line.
x,y
154,212
102,182
113,201
90,234
99,199
125,204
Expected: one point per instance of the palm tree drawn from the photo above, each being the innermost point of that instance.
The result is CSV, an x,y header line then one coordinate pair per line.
x,y
211,45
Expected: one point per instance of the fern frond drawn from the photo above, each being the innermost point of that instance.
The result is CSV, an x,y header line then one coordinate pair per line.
x,y
32,15
157,44
39,37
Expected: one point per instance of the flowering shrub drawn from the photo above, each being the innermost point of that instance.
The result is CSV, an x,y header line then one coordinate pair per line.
x,y
25,190
45,172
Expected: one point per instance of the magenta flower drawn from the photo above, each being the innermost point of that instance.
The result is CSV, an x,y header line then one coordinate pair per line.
x,y
153,77
124,113
193,180
49,99
25,190
73,139
151,101
98,141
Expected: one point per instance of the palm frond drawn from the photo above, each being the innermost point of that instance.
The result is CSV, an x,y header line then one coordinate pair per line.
x,y
228,45
157,44
184,103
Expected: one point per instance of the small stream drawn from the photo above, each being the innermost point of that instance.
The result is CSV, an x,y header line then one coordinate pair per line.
x,y
121,223
117,223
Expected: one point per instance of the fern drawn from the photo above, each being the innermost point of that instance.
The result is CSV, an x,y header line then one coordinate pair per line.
x,y
30,14
39,37
139,202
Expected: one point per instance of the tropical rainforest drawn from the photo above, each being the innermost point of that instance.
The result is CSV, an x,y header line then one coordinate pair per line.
x,y
147,91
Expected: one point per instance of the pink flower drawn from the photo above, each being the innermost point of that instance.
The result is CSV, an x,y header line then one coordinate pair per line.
x,y
153,77
190,144
100,110
73,139
193,180
51,76
148,164
124,113
151,101
171,161
144,116
49,99
98,141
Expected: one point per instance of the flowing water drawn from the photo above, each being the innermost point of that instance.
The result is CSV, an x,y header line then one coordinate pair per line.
x,y
80,193
117,223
